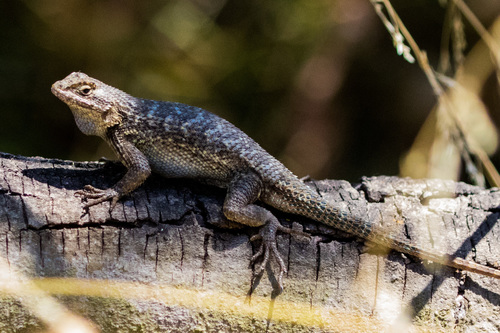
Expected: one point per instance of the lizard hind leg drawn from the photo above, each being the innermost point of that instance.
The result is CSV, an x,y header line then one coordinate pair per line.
x,y
239,206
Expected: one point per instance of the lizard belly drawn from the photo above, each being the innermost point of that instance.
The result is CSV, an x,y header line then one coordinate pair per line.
x,y
175,162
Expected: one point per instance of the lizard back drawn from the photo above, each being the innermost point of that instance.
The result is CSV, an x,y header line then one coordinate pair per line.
x,y
189,142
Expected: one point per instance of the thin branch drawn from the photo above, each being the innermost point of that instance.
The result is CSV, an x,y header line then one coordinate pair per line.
x,y
419,54
480,29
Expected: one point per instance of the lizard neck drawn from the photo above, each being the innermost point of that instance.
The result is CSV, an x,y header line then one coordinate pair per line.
x,y
86,122
95,123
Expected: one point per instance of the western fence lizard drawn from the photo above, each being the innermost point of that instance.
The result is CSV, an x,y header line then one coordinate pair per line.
x,y
181,141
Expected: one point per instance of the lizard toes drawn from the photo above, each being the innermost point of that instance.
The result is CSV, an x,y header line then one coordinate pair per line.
x,y
91,189
268,248
90,192
259,253
94,202
255,237
293,232
98,196
260,268
87,195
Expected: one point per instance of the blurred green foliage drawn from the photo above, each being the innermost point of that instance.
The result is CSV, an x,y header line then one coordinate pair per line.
x,y
315,82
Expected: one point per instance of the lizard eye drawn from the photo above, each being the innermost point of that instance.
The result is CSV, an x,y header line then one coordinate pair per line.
x,y
85,90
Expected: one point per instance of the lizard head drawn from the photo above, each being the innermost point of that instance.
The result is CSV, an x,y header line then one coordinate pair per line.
x,y
95,105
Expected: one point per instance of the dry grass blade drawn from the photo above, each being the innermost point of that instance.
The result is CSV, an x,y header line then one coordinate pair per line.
x,y
445,140
49,311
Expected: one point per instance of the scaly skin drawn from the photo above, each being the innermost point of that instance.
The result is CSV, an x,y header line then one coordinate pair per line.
x,y
181,141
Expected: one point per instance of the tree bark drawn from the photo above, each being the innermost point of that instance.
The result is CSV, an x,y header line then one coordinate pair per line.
x,y
166,259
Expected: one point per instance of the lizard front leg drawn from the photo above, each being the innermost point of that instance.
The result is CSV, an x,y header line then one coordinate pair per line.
x,y
239,206
138,170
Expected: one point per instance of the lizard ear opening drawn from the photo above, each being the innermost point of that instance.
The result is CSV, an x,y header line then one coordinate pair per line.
x,y
111,116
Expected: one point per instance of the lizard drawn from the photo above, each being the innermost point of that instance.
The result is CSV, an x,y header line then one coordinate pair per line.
x,y
176,140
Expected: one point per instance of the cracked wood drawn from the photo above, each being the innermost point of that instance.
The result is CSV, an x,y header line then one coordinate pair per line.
x,y
166,232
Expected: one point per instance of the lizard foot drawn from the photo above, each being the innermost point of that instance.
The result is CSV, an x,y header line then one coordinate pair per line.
x,y
267,235
98,196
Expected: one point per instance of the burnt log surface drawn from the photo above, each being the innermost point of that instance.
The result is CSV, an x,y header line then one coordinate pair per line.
x,y
166,259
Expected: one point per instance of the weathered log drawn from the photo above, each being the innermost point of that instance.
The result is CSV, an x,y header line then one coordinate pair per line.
x,y
166,259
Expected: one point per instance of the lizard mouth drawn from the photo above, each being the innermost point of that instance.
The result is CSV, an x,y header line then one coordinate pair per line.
x,y
68,97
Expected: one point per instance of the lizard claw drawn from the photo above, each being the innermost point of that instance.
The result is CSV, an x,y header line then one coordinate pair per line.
x,y
98,196
267,235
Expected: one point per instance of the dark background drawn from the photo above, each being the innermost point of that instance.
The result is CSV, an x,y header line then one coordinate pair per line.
x,y
317,83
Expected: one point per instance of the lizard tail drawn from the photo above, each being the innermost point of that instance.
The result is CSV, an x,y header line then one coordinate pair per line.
x,y
301,200
442,259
